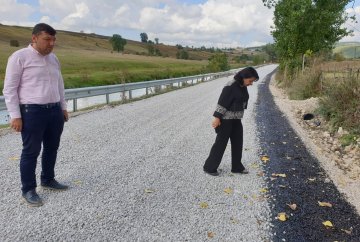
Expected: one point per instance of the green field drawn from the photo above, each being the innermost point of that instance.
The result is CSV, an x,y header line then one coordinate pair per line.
x,y
88,60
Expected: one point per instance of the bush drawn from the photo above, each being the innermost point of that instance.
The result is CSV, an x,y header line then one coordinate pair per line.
x,y
14,43
340,104
306,85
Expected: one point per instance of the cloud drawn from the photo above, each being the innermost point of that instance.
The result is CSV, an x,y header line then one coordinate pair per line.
x,y
12,12
352,25
210,23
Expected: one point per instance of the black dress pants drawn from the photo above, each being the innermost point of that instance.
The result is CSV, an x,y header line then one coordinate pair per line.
x,y
41,126
229,129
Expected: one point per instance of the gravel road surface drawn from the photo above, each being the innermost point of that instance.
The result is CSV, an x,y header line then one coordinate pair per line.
x,y
135,173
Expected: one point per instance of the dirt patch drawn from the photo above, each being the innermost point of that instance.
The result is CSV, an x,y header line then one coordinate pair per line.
x,y
341,163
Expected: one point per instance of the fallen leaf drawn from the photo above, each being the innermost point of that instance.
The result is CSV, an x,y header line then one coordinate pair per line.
x,y
261,173
349,232
254,165
204,205
325,204
14,158
228,190
292,206
278,175
77,182
245,197
234,220
282,217
210,235
311,179
265,158
264,190
328,224
149,191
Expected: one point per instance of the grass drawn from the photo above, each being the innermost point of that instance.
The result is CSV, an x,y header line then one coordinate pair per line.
x,y
337,84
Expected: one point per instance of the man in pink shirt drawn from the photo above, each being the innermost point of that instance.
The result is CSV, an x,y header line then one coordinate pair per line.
x,y
34,96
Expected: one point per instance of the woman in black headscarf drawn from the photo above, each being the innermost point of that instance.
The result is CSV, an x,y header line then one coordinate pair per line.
x,y
227,122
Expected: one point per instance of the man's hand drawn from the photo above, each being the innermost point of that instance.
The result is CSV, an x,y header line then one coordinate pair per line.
x,y
216,123
66,115
16,124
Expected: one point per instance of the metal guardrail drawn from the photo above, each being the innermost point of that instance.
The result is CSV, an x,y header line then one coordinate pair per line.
x,y
77,93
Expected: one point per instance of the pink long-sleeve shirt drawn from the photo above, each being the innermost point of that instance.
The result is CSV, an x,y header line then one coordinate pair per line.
x,y
32,78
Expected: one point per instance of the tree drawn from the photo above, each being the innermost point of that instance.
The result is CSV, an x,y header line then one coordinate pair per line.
x,y
218,62
157,41
270,50
118,43
144,37
306,25
182,54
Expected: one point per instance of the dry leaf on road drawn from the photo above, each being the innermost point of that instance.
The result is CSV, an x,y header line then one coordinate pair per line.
x,y
328,224
210,235
149,191
292,206
264,190
228,190
282,217
265,158
204,205
325,204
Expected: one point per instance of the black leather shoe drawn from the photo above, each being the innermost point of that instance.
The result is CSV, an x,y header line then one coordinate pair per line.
x,y
54,185
245,171
212,173
32,198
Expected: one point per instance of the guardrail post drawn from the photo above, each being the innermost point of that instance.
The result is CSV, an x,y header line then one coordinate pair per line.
x,y
107,98
147,91
130,94
74,105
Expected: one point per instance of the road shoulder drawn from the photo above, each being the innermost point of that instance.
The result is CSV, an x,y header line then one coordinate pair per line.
x,y
347,181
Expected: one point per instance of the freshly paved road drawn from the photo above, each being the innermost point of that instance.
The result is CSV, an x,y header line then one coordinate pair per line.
x,y
135,173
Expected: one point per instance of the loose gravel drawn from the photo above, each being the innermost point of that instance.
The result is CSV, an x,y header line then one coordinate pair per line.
x,y
135,173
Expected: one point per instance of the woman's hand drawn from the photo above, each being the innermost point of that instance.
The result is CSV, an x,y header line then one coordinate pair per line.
x,y
216,123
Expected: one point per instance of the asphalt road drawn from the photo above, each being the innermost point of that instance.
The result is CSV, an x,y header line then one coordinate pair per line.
x,y
306,183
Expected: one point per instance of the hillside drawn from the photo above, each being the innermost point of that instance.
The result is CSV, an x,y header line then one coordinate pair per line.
x,y
349,50
72,40
88,59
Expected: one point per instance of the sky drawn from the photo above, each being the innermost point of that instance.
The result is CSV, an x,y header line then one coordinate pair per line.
x,y
210,23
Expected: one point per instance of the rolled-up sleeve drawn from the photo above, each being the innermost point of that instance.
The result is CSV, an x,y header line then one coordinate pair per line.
x,y
224,102
14,70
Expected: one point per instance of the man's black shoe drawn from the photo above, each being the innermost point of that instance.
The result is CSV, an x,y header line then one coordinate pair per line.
x,y
54,185
32,198
212,173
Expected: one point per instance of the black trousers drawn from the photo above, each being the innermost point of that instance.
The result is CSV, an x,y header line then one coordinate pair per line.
x,y
229,129
41,126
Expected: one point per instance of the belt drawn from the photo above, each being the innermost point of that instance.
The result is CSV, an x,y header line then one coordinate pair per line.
x,y
47,105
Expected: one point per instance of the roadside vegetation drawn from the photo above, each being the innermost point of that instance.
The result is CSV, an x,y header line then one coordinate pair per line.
x,y
311,66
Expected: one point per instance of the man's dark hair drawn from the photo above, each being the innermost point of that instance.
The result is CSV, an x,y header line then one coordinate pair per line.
x,y
247,72
43,27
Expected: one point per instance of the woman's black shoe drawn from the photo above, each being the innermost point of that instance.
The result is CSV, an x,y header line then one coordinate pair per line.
x,y
212,173
245,171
